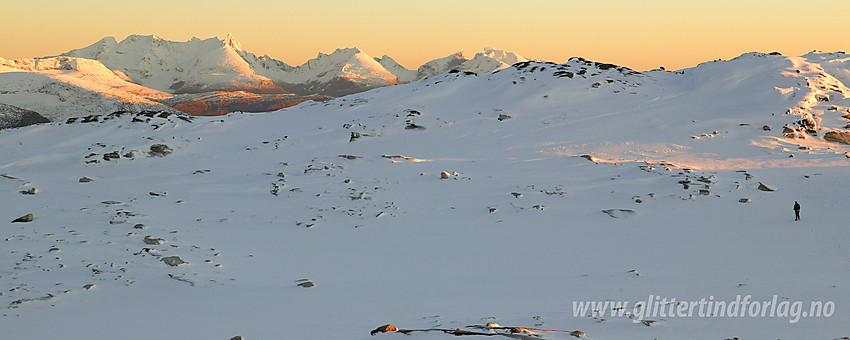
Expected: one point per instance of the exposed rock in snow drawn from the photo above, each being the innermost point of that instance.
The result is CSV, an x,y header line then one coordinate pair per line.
x,y
12,117
841,137
764,187
173,261
24,219
619,213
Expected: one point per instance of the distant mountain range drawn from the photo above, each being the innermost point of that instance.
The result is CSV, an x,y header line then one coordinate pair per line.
x,y
205,77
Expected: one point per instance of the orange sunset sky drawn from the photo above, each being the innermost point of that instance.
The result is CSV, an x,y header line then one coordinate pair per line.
x,y
641,34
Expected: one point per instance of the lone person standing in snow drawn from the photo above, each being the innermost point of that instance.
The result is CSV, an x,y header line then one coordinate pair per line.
x,y
796,211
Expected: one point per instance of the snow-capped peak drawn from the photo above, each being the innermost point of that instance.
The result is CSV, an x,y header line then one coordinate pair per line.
x,y
488,61
508,58
346,70
230,41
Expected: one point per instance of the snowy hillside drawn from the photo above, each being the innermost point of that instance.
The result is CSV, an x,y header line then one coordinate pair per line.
x,y
444,205
62,87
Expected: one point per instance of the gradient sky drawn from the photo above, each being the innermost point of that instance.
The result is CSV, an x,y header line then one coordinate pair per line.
x,y
641,34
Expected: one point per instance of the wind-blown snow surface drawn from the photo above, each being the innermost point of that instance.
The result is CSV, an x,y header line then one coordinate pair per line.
x,y
347,194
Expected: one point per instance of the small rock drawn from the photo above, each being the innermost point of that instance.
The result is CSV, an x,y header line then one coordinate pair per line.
x,y
444,175
89,286
153,241
24,219
160,150
764,187
173,261
354,136
516,194
111,155
85,180
744,200
30,191
238,337
306,283
413,126
619,213
139,226
840,137
492,210
503,117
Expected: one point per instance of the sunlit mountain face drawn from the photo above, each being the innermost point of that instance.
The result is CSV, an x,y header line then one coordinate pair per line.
x,y
207,77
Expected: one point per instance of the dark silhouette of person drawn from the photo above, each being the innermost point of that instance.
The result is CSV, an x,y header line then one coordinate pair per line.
x,y
796,211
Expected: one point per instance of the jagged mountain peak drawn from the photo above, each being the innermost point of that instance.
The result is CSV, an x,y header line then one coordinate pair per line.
x,y
230,41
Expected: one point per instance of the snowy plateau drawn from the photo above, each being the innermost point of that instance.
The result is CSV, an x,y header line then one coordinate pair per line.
x,y
444,206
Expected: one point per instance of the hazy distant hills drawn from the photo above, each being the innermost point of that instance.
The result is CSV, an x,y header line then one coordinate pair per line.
x,y
205,77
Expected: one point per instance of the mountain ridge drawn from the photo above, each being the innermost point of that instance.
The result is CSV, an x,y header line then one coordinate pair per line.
x,y
215,76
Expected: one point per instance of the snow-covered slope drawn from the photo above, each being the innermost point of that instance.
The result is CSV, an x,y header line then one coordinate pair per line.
x,y
404,75
61,87
453,201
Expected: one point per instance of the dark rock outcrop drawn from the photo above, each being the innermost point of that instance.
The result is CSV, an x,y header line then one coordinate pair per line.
x,y
14,117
